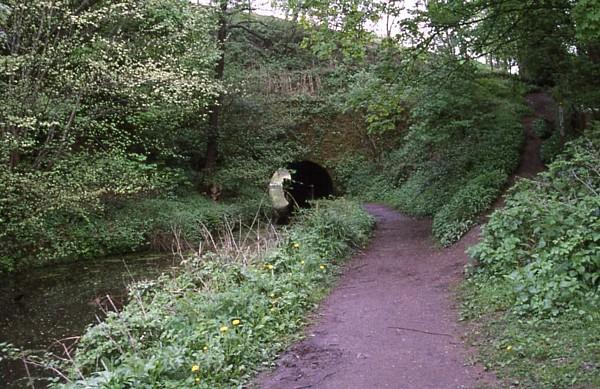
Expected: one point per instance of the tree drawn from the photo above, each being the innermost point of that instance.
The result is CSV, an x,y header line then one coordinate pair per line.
x,y
230,15
90,111
81,75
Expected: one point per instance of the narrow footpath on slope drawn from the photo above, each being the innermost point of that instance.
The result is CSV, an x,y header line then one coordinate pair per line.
x,y
391,322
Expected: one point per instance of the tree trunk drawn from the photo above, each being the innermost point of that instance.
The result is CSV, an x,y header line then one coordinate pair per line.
x,y
14,159
212,141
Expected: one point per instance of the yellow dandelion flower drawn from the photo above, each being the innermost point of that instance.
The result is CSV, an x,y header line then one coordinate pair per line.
x,y
236,322
224,329
302,262
322,267
197,379
296,245
269,266
272,295
509,348
195,369
205,348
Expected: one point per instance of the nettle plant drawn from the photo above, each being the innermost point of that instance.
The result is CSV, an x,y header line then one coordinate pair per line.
x,y
546,240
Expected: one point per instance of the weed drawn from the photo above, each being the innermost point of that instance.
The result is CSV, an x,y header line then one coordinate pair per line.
x,y
227,313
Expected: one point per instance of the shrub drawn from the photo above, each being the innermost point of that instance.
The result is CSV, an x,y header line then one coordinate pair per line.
x,y
46,216
463,144
47,219
542,128
359,177
458,216
546,240
551,148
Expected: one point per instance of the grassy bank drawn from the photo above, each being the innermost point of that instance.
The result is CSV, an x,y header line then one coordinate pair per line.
x,y
534,293
529,351
226,315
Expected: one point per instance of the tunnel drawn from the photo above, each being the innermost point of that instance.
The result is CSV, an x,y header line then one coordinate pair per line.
x,y
309,181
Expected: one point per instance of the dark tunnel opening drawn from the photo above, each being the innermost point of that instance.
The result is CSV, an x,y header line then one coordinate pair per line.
x,y
309,181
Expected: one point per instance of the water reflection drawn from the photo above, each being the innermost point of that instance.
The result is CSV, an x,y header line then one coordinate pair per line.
x,y
40,306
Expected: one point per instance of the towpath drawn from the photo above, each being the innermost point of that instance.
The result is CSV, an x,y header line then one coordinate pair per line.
x,y
392,322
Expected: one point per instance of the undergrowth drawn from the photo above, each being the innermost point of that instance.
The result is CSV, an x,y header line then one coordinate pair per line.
x,y
534,290
455,159
123,226
224,316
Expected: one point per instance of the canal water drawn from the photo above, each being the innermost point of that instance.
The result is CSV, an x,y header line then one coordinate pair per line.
x,y
40,306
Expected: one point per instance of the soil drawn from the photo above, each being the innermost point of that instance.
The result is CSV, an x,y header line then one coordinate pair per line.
x,y
392,321
543,106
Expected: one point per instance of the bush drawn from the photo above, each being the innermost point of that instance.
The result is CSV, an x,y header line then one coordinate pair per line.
x,y
427,189
221,319
542,128
358,177
457,157
551,148
546,240
457,217
463,143
75,213
47,216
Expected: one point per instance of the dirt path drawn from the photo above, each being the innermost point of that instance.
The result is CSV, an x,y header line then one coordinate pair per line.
x,y
391,322
543,106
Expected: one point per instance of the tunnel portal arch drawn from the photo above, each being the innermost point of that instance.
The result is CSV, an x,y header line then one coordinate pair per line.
x,y
309,181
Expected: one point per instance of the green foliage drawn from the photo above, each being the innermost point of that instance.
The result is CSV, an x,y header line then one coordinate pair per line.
x,y
458,154
545,242
551,147
358,177
99,128
100,207
335,27
457,217
542,128
557,352
463,143
97,85
275,84
381,102
221,319
43,214
586,15
96,116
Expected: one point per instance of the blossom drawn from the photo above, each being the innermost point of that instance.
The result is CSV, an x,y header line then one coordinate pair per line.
x,y
322,267
224,329
195,368
236,322
269,266
296,245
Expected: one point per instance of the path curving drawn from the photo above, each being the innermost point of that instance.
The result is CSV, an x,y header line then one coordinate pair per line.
x,y
390,322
